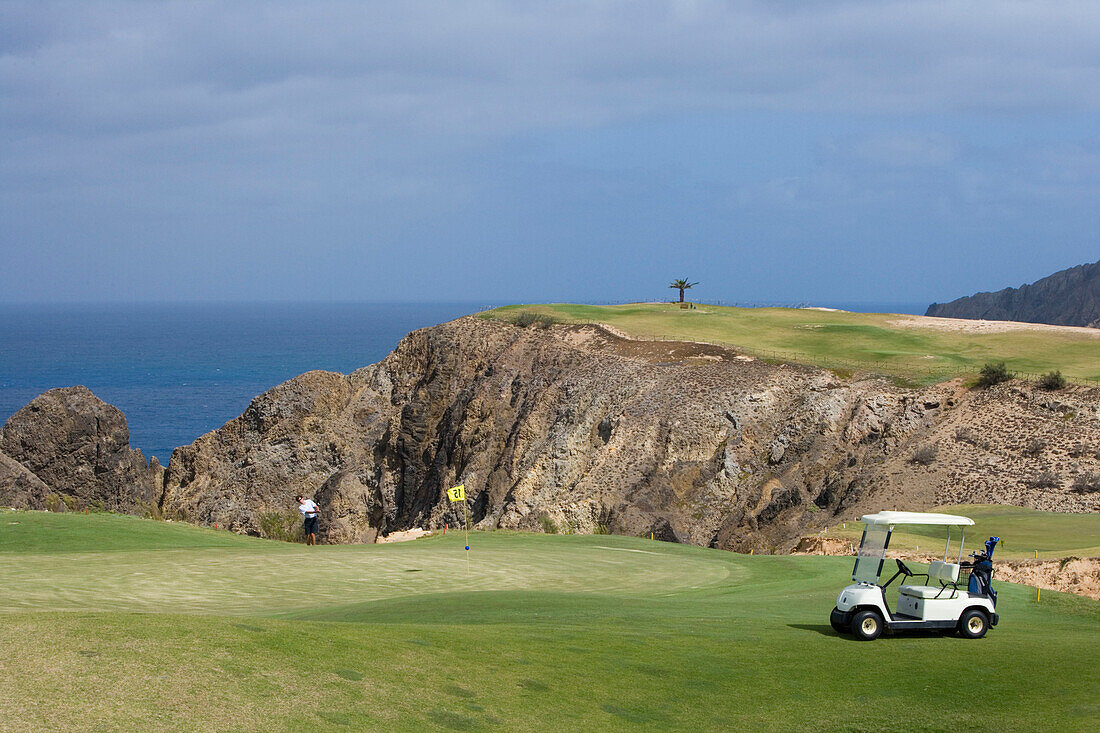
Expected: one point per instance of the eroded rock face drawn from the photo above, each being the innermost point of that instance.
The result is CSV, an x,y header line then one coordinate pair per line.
x,y
79,447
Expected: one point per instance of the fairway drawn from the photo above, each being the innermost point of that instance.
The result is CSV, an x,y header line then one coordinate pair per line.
x,y
118,623
887,343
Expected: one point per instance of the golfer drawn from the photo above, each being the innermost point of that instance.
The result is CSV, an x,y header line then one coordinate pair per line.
x,y
308,508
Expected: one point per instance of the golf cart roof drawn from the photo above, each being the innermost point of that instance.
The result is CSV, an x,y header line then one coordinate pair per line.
x,y
953,520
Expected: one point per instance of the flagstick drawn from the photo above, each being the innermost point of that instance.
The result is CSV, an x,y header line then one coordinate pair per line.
x,y
467,515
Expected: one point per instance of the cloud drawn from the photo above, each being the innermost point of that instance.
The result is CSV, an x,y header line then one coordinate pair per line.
x,y
117,67
371,127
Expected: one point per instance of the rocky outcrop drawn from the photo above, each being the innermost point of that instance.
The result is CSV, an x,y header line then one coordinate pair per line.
x,y
578,429
1067,298
78,447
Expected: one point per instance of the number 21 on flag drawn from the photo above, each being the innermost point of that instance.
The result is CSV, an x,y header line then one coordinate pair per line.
x,y
458,493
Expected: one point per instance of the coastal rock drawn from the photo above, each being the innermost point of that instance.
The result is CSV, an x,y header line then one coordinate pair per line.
x,y
79,447
19,487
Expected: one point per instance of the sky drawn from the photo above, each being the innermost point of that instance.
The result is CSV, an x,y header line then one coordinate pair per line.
x,y
815,151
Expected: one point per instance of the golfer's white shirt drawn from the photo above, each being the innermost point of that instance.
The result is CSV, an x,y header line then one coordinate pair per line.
x,y
308,508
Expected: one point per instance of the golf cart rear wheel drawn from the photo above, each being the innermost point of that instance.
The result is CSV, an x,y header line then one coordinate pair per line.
x,y
867,625
973,624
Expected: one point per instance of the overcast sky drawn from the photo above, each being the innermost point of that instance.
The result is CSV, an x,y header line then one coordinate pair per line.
x,y
521,151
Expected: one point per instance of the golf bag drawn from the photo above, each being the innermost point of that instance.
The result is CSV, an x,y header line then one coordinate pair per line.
x,y
981,572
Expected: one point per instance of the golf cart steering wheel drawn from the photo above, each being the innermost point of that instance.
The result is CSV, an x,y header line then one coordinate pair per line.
x,y
902,569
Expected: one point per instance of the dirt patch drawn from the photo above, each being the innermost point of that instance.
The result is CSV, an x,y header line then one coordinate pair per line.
x,y
409,534
1070,575
606,337
824,546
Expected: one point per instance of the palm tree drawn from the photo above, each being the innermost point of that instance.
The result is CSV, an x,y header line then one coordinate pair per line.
x,y
681,285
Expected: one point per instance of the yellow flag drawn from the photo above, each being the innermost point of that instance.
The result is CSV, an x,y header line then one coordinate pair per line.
x,y
458,493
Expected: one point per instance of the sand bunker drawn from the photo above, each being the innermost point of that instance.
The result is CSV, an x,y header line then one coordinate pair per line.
x,y
967,325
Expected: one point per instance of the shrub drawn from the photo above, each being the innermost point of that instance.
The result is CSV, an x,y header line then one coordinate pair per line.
x,y
1045,480
150,510
993,373
283,526
527,318
971,436
1087,482
1035,447
548,525
1077,450
1052,381
53,503
925,455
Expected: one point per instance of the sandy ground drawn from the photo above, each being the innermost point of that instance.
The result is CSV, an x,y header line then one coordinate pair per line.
x,y
967,325
409,534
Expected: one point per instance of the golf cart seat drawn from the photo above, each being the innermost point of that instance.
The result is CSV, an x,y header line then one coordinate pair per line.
x,y
945,573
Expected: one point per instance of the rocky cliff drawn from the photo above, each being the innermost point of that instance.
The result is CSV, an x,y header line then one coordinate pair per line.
x,y
573,428
1067,298
577,429
72,445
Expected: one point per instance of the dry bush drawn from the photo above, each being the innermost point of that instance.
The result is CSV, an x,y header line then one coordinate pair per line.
x,y
925,455
1087,482
1045,480
971,436
1035,447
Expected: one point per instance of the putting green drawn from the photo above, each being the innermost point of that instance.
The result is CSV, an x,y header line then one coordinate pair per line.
x,y
544,632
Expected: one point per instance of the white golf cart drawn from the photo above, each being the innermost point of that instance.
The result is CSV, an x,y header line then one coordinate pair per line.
x,y
943,602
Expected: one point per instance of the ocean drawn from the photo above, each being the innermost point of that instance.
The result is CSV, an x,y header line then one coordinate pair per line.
x,y
178,371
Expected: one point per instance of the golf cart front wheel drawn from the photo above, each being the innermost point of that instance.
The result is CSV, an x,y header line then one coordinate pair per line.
x,y
973,624
867,625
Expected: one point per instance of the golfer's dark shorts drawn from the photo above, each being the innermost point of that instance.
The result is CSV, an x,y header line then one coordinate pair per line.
x,y
310,525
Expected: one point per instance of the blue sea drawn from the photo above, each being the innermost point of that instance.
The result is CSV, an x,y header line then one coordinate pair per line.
x,y
180,370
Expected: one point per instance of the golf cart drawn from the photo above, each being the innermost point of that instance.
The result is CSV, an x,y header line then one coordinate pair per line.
x,y
944,602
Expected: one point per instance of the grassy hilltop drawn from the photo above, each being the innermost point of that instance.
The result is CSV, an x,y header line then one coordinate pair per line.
x,y
118,623
922,349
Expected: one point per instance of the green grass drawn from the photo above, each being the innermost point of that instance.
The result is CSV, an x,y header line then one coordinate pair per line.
x,y
843,340
537,633
42,532
1023,532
